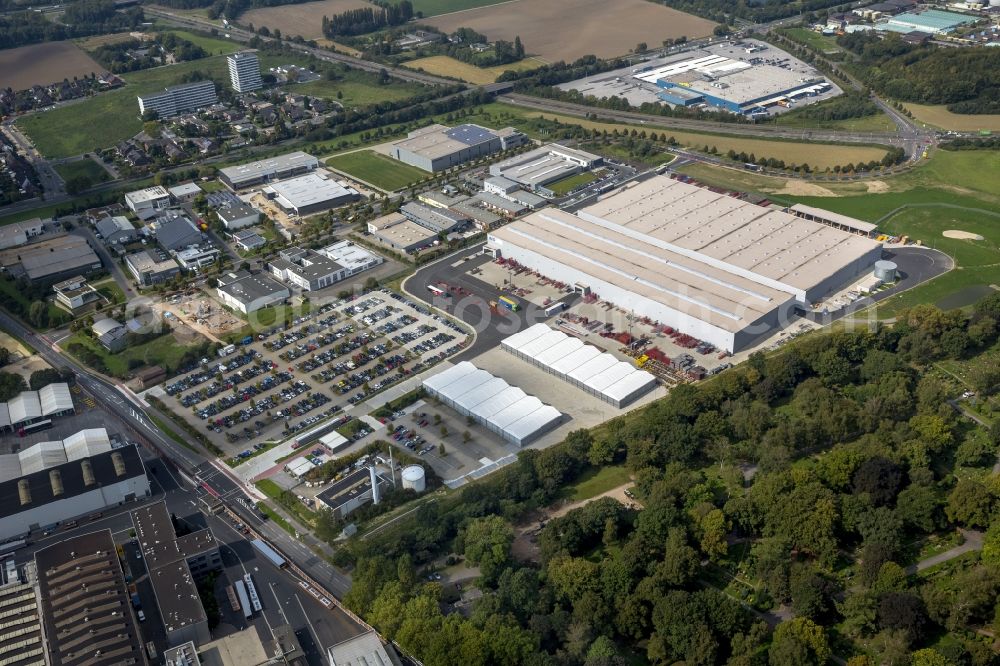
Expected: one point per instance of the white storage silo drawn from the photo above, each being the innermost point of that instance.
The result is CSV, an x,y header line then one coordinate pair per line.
x,y
885,270
413,478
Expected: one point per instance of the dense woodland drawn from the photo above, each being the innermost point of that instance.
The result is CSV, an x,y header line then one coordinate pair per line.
x,y
808,473
81,18
367,19
723,11
966,79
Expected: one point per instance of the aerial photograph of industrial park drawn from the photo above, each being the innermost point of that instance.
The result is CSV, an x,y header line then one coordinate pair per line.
x,y
500,332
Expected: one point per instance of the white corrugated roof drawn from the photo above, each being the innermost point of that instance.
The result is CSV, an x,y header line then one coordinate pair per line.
x,y
55,398
521,338
484,391
635,382
569,363
466,383
24,407
515,412
86,443
445,377
615,373
499,402
593,367
559,350
41,456
537,420
540,344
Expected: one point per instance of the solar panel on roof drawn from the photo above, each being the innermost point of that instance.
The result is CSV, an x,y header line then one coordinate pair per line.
x,y
470,135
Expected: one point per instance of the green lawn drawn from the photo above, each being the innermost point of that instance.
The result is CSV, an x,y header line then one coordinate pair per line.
x,y
877,123
595,482
357,88
85,168
380,170
435,7
568,184
110,290
814,40
159,351
213,45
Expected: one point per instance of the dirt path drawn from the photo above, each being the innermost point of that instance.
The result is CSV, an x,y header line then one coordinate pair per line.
x,y
973,541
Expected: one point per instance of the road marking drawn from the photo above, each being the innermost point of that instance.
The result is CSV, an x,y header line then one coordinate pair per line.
x,y
322,649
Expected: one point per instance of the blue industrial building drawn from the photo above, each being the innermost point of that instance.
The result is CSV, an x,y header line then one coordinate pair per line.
x,y
685,95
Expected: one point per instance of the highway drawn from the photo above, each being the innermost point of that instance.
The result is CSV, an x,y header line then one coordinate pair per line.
x,y
198,468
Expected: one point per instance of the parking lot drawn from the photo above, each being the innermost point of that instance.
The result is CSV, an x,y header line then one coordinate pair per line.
x,y
283,381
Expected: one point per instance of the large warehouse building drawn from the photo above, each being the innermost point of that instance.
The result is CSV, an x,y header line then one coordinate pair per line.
x,y
547,164
311,193
264,171
712,266
436,147
506,410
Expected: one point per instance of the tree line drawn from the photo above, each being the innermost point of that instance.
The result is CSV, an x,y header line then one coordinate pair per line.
x,y
856,452
367,19
81,19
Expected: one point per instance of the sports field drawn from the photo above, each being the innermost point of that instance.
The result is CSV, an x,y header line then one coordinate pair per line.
x,y
939,116
568,29
42,64
376,169
456,69
305,19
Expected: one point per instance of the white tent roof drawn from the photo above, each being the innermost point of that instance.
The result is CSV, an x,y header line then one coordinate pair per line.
x,y
537,420
500,401
41,456
484,391
466,383
637,381
540,344
333,440
593,367
446,377
515,412
86,443
613,374
24,407
521,338
558,351
55,398
568,364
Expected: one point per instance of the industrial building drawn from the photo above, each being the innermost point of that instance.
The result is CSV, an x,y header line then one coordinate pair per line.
x,y
712,266
264,171
248,293
506,410
588,368
237,215
733,85
509,191
537,168
149,268
116,230
311,193
436,220
244,71
51,260
20,604
352,492
929,21
184,192
111,334
362,650
19,233
155,198
306,269
174,230
248,240
33,406
436,147
174,564
399,232
65,480
178,99
85,608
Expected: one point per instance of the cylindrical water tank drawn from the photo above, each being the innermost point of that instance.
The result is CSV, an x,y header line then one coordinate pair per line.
x,y
413,478
885,270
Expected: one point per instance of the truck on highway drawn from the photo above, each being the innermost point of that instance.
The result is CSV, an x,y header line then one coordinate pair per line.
x,y
269,553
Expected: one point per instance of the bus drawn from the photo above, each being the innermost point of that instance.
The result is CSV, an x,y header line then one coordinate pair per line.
x,y
37,426
234,601
509,303
241,590
252,593
437,291
269,553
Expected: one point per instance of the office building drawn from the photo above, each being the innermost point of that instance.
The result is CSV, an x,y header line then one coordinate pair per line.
x,y
184,192
156,198
248,293
92,477
85,608
264,171
75,293
436,147
244,71
151,267
179,99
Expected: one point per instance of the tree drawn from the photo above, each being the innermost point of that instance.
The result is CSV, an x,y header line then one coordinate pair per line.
x,y
970,503
991,544
680,560
799,642
918,507
441,450
929,657
38,314
903,612
40,378
486,544
11,384
714,526
880,479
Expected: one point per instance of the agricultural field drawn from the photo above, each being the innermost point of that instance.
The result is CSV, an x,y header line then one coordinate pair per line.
x,y
568,29
305,19
379,170
85,168
97,41
42,64
456,69
939,116
436,7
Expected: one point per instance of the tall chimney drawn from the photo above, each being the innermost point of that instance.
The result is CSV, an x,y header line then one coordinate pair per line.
x,y
375,495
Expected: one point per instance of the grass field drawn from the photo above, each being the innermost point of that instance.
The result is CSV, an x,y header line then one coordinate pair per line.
x,y
814,40
337,46
877,123
940,116
162,350
380,170
42,64
213,45
456,69
357,89
568,184
86,167
595,482
435,7
569,29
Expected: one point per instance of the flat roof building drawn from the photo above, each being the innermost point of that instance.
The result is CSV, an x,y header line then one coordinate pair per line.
x,y
237,215
352,256
184,191
712,266
436,147
931,21
248,293
306,269
351,492
178,99
75,292
155,197
311,193
19,233
51,260
85,607
263,171
547,164
20,604
437,220
248,240
364,650
244,71
399,232
149,268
